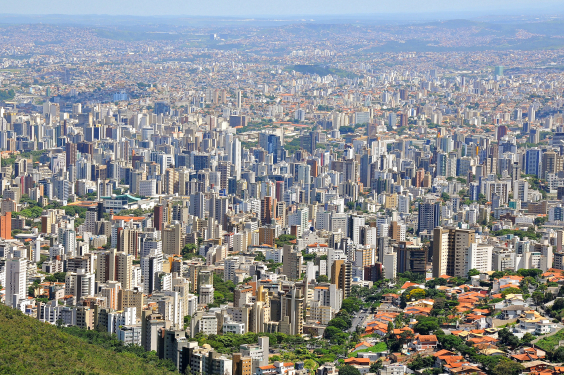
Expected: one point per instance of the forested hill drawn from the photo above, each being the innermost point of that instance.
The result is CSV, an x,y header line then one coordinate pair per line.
x,y
28,346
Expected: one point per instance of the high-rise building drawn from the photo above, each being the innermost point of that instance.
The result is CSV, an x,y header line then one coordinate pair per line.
x,y
450,251
390,265
79,284
106,266
16,277
341,275
158,217
67,238
267,210
71,154
172,239
218,209
151,267
531,114
6,226
411,257
151,324
241,365
224,168
291,263
398,231
552,162
429,216
131,298
292,307
124,267
533,161
198,205
128,241
365,256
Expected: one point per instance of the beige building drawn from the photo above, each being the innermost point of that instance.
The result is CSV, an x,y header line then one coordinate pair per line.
x,y
172,240
291,263
124,265
131,298
450,251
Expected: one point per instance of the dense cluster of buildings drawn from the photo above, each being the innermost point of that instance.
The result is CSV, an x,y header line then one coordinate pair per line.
x,y
255,197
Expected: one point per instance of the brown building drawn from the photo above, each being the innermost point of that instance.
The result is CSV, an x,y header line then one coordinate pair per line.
x,y
540,208
71,152
158,217
266,210
267,235
131,298
341,275
6,226
127,241
242,365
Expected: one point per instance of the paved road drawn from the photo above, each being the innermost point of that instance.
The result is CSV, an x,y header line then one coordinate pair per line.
x,y
358,320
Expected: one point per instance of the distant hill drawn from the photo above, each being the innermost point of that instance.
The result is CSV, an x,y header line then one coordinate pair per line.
x,y
28,346
320,70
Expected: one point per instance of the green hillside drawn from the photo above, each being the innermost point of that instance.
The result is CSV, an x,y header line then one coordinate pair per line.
x,y
28,346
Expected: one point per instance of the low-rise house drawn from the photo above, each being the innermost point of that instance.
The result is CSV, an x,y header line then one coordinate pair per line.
x,y
277,368
512,312
357,361
393,369
424,342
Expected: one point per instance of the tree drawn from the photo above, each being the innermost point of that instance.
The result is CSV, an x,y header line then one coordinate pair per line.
x,y
331,332
340,323
311,365
322,279
538,297
450,342
473,272
558,355
32,288
426,325
350,305
348,370
527,338
390,328
259,257
508,367
421,362
375,366
490,362
284,239
415,294
189,248
57,277
532,272
508,338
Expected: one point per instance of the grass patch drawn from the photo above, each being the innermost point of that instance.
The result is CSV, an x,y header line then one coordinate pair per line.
x,y
378,348
549,343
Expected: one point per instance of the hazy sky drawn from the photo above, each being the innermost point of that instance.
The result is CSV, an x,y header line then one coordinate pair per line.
x,y
270,8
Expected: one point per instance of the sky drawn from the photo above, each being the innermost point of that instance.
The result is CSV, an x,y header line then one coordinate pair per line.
x,y
269,8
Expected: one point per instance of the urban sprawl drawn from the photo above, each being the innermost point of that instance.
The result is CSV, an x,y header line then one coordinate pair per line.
x,y
267,205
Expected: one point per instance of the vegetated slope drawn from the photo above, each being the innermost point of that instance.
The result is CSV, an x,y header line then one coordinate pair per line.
x,y
28,346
